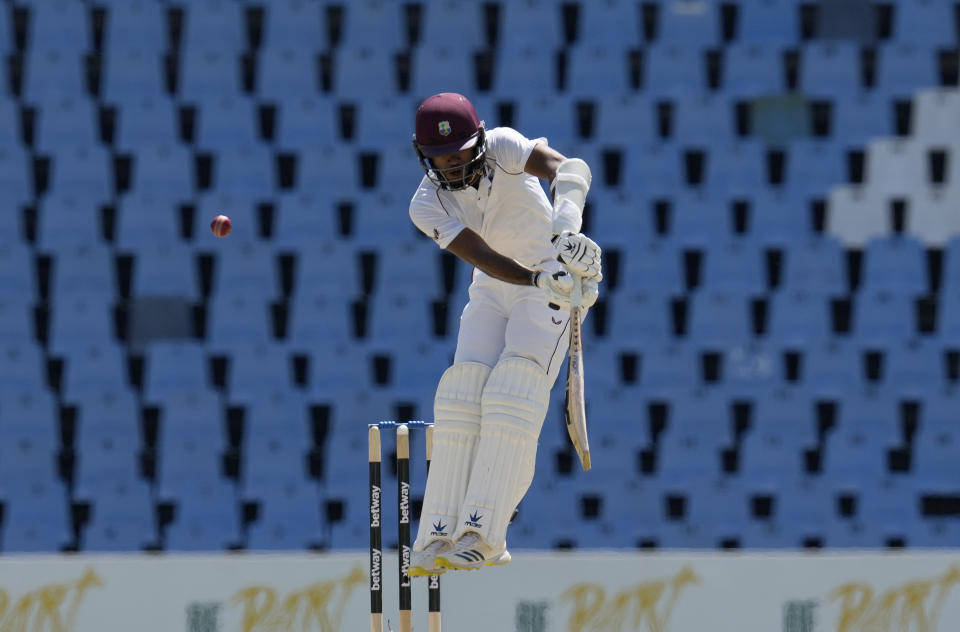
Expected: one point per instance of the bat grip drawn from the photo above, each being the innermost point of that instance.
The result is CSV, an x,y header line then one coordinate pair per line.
x,y
576,295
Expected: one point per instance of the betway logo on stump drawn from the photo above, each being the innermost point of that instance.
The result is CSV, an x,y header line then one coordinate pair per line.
x,y
374,506
404,503
375,557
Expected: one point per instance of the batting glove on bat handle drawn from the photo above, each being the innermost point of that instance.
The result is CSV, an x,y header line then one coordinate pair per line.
x,y
580,254
554,279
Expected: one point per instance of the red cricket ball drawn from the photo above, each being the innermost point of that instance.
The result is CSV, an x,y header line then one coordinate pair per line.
x,y
221,225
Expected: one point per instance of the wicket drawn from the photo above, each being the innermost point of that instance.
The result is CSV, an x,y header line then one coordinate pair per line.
x,y
405,618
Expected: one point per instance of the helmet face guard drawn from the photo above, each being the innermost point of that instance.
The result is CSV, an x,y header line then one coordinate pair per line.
x,y
458,177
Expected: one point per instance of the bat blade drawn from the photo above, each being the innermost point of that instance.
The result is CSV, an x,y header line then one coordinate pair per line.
x,y
576,413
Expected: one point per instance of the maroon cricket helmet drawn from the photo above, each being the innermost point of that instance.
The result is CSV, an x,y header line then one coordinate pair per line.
x,y
446,123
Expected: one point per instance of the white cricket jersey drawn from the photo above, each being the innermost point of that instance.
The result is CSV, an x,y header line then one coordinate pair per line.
x,y
509,209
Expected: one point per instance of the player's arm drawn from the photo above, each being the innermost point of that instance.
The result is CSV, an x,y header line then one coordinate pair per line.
x,y
543,162
471,247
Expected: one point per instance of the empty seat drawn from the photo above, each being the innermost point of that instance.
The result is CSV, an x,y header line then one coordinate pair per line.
x,y
733,267
777,219
258,368
164,169
144,122
134,24
225,123
321,169
933,19
312,276
876,415
670,369
896,167
858,120
551,115
658,167
596,67
165,269
286,71
441,68
303,219
205,520
294,24
752,70
948,318
705,121
288,520
15,181
879,317
23,369
894,264
106,415
379,119
82,269
79,320
70,121
408,266
94,367
934,111
812,167
208,72
213,24
932,217
831,370
856,214
394,314
815,266
628,117
697,219
951,263
52,72
903,69
830,69
317,317
132,73
673,71
768,22
146,219
374,24
16,318
172,368
84,171
718,319
375,63
691,24
798,319
914,369
735,170
35,519
244,170
531,21
245,263
524,68
121,519
238,317
68,221
305,120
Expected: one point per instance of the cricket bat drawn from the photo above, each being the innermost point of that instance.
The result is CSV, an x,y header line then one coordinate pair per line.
x,y
576,413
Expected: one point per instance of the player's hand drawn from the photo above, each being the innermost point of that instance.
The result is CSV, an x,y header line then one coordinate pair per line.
x,y
580,254
552,277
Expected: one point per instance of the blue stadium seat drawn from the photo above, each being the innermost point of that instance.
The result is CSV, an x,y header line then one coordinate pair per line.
x,y
770,458
933,110
335,370
6,36
68,220
134,25
226,123
318,317
619,221
302,219
144,220
78,321
951,263
304,121
797,319
860,119
172,368
718,320
279,415
15,181
380,119
83,171
812,167
208,72
288,521
880,317
286,72
669,369
788,413
35,519
322,169
696,220
121,519
244,170
616,23
895,265
936,451
706,121
927,24
736,267
524,69
16,318
106,415
903,69
165,269
10,132
737,170
145,122
410,266
855,457
65,122
257,369
373,24
395,314
23,369
132,74
673,71
238,317
766,22
693,25
205,520
293,24
268,470
165,169
658,167
629,117
830,69
82,269
915,368
873,414
752,70
441,68
414,366
533,21
103,465
213,25
65,24
776,219
638,318
548,114
814,267
831,371
51,73
93,368
28,433
374,63
596,67
242,261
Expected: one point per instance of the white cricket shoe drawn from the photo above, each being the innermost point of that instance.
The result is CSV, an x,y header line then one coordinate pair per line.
x,y
470,553
423,563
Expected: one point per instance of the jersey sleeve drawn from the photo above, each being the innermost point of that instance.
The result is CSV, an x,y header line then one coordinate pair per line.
x,y
428,215
511,148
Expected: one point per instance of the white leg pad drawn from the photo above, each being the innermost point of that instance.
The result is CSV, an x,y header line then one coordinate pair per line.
x,y
456,431
514,404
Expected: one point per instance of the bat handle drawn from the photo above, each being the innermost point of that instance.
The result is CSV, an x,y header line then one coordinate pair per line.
x,y
576,295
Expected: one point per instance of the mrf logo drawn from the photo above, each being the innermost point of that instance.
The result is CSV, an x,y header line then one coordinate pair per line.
x,y
474,520
439,528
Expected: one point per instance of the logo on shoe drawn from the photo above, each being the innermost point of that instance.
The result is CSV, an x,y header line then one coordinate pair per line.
x,y
474,520
439,528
